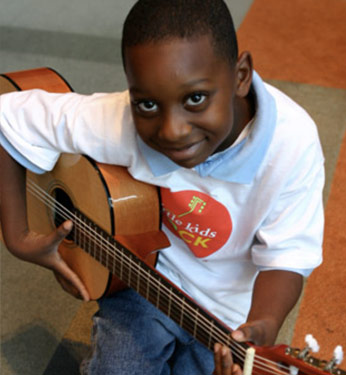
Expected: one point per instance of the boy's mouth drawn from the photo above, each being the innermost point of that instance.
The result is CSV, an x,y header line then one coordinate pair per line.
x,y
179,154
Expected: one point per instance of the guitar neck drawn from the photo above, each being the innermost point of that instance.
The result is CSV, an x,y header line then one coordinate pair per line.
x,y
174,303
151,285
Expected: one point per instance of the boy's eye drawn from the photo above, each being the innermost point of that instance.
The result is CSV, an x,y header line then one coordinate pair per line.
x,y
147,106
195,99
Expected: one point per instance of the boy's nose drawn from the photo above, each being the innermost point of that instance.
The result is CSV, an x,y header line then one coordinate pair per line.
x,y
174,127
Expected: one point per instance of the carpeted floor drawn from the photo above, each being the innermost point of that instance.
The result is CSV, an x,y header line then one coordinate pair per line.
x,y
298,46
323,308
302,46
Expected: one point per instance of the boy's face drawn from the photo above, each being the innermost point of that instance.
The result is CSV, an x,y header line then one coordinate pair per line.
x,y
184,98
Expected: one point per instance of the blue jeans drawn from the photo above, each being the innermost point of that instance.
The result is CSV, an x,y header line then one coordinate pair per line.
x,y
132,337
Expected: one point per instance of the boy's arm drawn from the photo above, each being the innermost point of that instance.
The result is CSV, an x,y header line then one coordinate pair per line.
x,y
275,293
20,241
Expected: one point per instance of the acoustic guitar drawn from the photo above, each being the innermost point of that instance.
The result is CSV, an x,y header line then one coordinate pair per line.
x,y
116,235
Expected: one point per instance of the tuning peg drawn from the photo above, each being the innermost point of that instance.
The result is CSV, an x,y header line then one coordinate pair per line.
x,y
338,356
294,370
311,345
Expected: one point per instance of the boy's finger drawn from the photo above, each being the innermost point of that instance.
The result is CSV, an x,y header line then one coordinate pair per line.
x,y
64,229
217,359
226,358
241,336
67,286
236,370
247,332
61,232
223,361
71,277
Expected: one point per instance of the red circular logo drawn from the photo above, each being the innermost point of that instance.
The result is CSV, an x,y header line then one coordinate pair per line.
x,y
203,223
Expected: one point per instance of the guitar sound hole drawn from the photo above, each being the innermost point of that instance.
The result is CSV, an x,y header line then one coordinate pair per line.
x,y
63,209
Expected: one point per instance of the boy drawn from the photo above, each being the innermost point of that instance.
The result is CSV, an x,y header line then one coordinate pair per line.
x,y
200,124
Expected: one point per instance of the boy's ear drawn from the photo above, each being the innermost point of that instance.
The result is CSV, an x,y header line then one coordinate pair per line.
x,y
244,74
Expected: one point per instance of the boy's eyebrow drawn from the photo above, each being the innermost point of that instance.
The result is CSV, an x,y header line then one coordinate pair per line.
x,y
137,90
195,82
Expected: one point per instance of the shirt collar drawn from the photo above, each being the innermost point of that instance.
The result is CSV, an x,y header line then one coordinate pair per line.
x,y
238,163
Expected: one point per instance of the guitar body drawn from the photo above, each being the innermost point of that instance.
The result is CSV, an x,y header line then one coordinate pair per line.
x,y
123,207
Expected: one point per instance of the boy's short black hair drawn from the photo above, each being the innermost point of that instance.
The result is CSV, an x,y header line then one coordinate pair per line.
x,y
157,20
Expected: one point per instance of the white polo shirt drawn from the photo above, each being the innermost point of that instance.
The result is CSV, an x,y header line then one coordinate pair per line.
x,y
256,205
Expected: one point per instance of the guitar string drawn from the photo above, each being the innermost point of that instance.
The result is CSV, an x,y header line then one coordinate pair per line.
x,y
97,236
69,215
154,280
221,335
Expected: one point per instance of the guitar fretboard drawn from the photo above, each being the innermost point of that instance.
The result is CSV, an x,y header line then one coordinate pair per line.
x,y
149,283
174,303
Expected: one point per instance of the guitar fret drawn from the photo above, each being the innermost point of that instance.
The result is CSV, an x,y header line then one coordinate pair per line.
x,y
129,274
211,332
189,322
94,243
182,313
121,270
82,237
127,270
195,326
152,296
88,242
136,276
114,265
148,289
158,296
163,300
77,232
98,245
131,277
106,261
100,250
138,282
170,302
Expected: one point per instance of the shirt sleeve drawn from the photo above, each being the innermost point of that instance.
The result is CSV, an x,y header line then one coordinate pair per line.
x,y
305,272
292,233
36,127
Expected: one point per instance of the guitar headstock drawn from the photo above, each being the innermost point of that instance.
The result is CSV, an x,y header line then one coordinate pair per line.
x,y
283,359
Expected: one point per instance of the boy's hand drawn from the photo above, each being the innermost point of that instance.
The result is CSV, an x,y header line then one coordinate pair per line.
x,y
23,243
224,362
259,332
275,293
43,250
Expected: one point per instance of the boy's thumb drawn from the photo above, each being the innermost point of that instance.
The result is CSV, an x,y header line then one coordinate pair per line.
x,y
67,225
64,229
239,335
